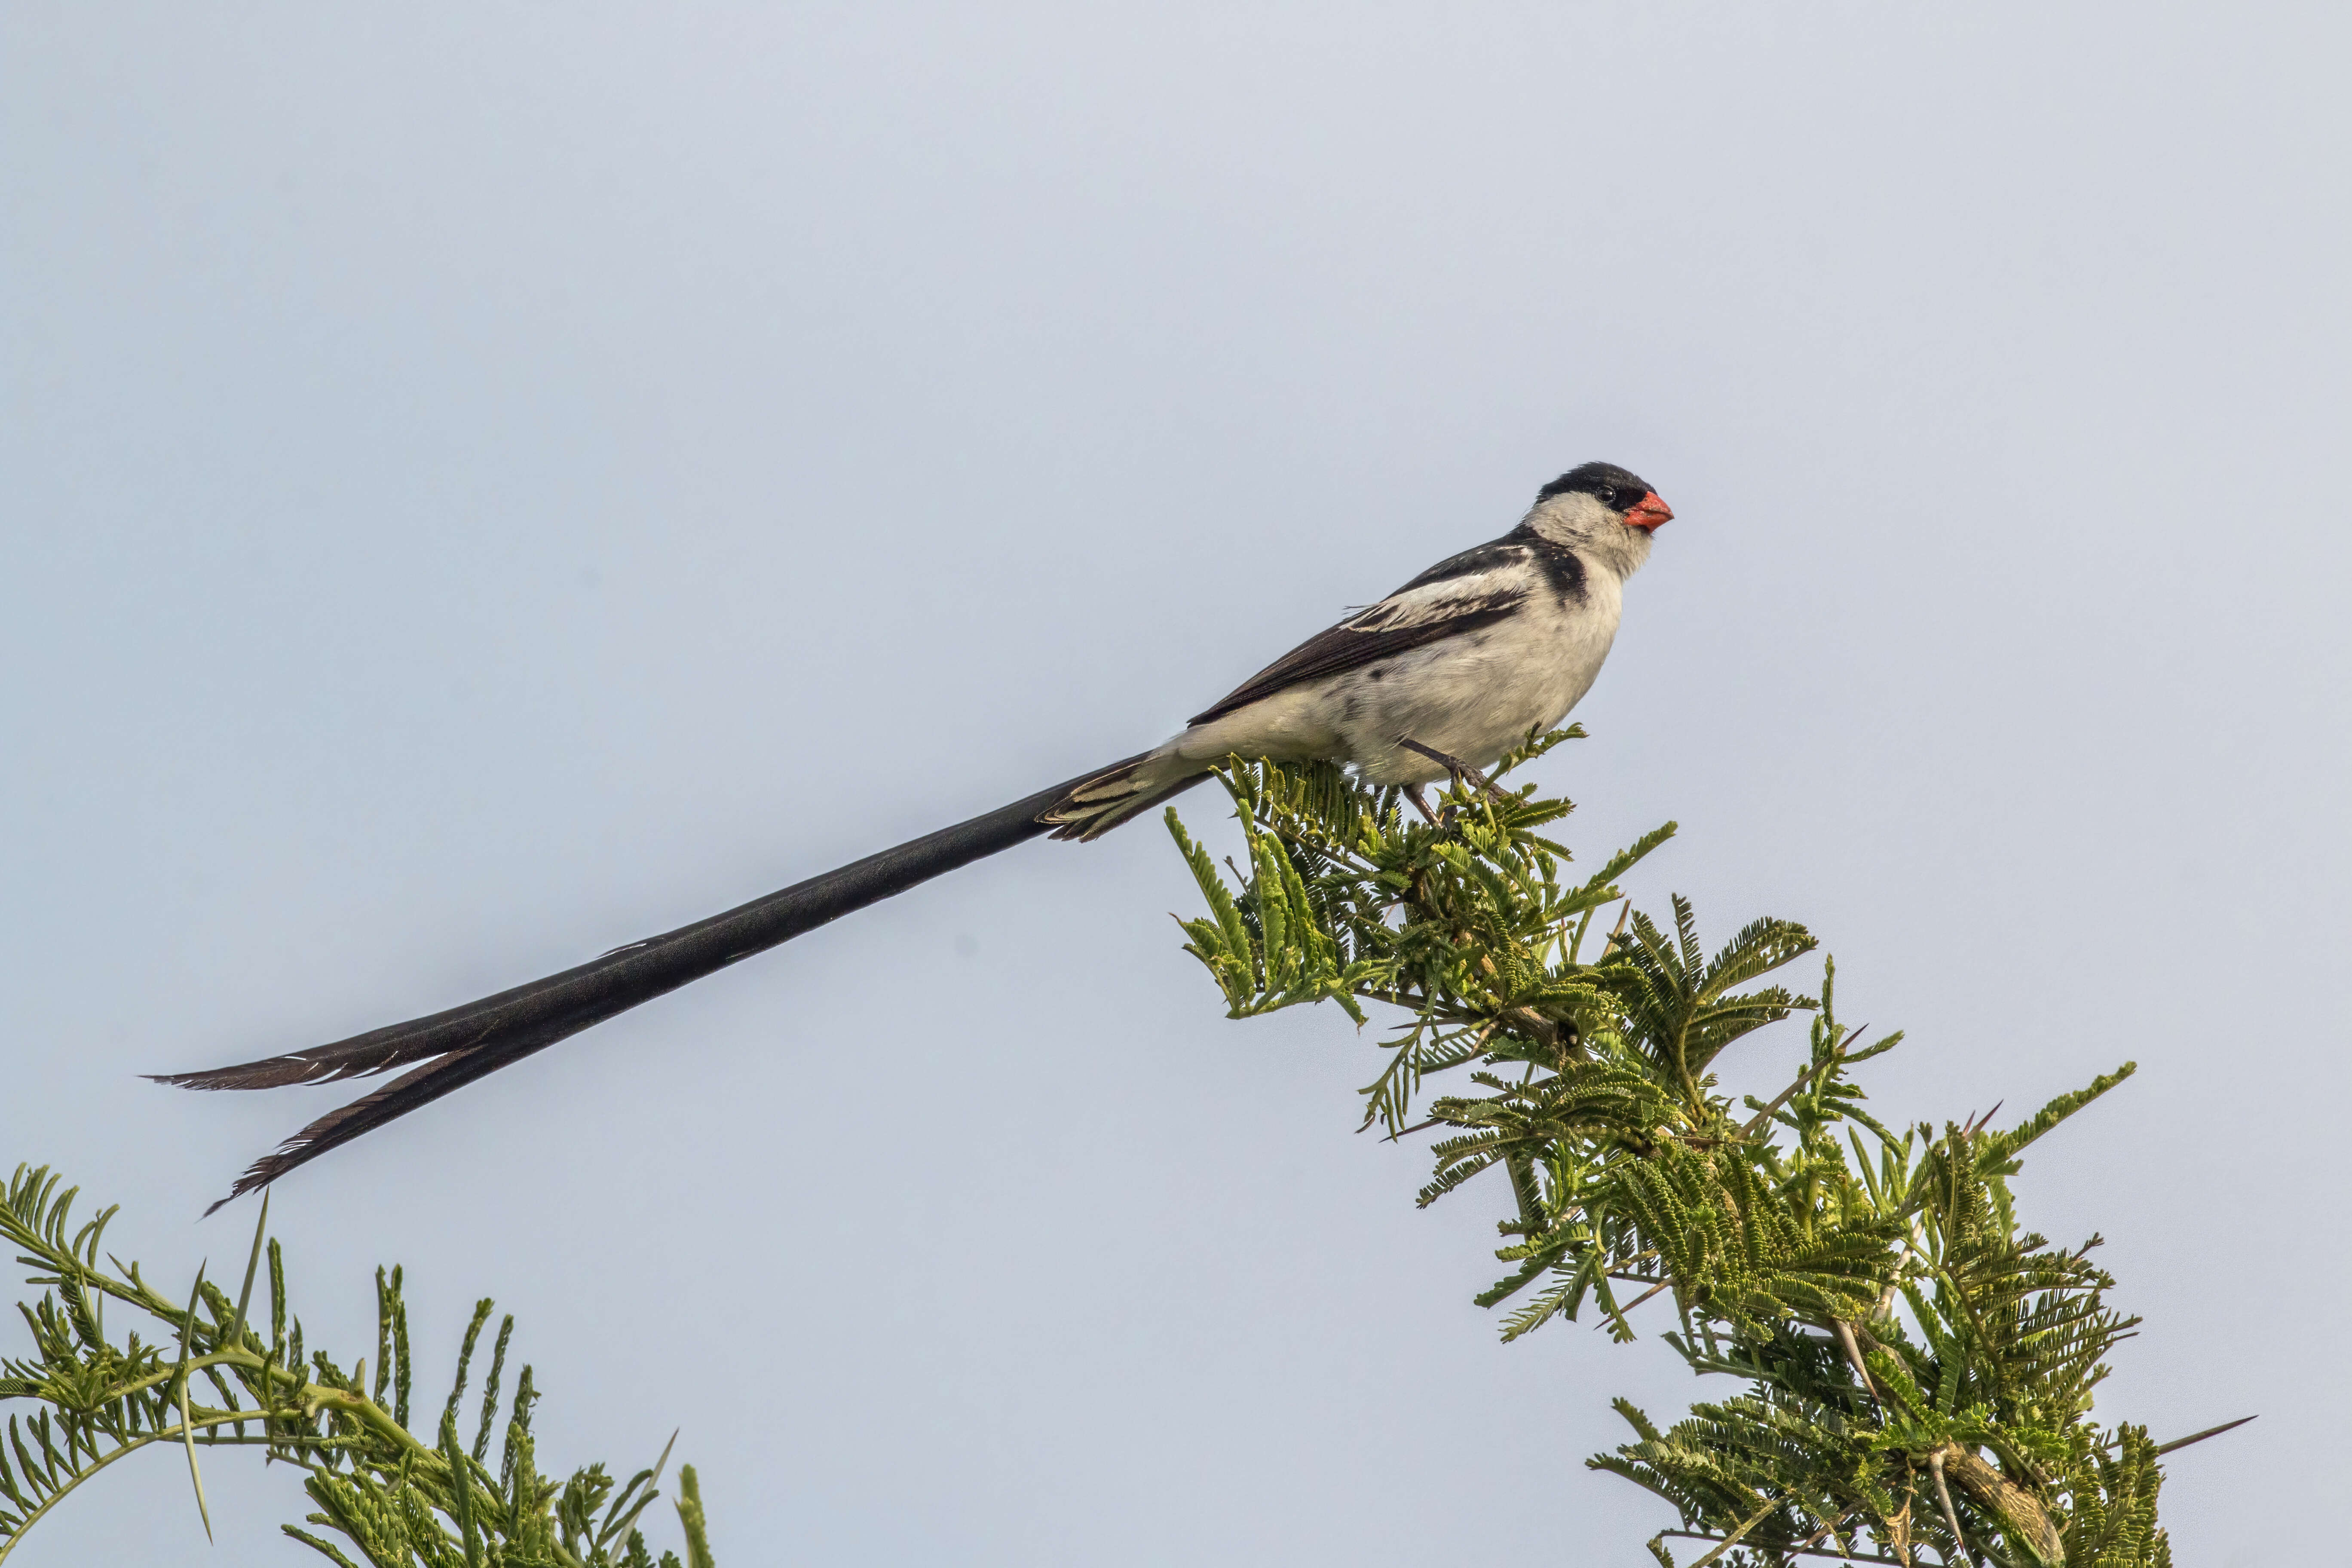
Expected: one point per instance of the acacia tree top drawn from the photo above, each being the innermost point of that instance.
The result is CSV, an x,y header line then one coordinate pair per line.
x,y
1916,1371
1919,1370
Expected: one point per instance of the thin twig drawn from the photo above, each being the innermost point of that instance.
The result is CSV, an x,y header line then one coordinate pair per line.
x,y
161,1434
1837,1053
1830,1529
1791,1551
1545,1031
1732,1539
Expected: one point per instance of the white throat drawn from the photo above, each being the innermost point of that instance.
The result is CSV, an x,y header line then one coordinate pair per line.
x,y
1594,532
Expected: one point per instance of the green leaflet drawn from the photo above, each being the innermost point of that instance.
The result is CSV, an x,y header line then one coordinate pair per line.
x,y
1915,1373
383,1497
1901,1339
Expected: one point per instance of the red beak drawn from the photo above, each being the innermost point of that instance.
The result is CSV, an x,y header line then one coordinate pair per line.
x,y
1649,512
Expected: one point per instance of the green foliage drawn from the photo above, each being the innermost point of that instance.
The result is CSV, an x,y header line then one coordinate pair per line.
x,y
1916,1370
1919,1369
213,1377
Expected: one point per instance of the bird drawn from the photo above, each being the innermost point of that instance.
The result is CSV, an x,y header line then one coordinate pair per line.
x,y
1437,679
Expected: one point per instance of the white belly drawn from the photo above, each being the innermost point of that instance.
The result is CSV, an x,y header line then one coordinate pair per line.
x,y
1473,697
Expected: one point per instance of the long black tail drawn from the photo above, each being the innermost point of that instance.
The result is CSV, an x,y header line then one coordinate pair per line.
x,y
470,1042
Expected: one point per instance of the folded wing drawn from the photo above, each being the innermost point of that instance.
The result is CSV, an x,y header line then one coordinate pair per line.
x,y
1474,589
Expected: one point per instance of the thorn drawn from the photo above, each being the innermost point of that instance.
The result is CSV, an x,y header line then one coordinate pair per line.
x,y
187,1421
2179,1442
1644,1296
663,1463
1853,1355
252,1262
1951,1517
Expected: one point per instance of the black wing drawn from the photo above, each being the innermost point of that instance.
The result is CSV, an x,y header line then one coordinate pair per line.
x,y
1476,588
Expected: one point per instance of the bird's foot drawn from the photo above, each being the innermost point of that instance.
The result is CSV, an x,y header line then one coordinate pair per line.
x,y
1457,767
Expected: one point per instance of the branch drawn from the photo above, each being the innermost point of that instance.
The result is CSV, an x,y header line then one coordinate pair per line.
x,y
1837,1053
2017,1508
174,1434
1791,1550
1733,1538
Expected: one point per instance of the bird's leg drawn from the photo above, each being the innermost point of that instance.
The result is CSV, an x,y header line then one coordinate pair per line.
x,y
1412,793
1455,766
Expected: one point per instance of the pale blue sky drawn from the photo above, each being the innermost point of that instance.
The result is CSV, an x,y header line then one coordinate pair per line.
x,y
484,483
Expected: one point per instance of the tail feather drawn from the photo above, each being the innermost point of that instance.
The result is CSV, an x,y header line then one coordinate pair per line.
x,y
457,1046
1093,807
419,1087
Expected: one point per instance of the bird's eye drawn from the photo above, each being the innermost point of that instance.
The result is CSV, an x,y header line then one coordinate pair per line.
x,y
1607,495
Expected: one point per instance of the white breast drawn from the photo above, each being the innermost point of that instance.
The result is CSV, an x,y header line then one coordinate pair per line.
x,y
1472,696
